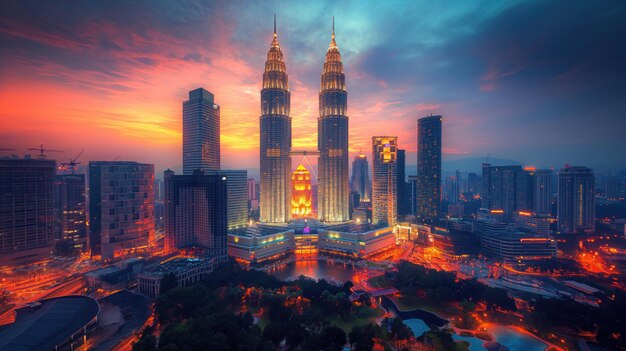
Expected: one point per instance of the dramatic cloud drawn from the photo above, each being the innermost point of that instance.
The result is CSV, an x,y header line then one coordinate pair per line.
x,y
539,82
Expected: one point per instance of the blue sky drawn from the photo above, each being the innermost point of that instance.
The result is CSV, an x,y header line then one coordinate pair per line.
x,y
543,83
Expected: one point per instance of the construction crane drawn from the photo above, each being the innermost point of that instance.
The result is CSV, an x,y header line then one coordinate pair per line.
x,y
42,151
72,164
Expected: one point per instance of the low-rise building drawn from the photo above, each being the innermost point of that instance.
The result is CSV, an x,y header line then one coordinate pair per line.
x,y
261,243
532,222
255,244
115,276
518,247
186,270
356,240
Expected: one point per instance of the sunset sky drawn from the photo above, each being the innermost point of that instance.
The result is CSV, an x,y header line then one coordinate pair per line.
x,y
539,82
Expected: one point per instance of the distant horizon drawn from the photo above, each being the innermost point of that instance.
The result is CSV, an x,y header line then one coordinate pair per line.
x,y
510,79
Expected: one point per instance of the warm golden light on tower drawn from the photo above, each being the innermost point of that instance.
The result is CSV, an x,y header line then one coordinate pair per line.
x,y
301,195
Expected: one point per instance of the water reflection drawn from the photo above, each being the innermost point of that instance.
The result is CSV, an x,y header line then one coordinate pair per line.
x,y
317,270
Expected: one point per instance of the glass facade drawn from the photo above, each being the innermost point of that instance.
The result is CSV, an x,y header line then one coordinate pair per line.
x,y
428,168
26,210
196,212
201,132
576,205
360,180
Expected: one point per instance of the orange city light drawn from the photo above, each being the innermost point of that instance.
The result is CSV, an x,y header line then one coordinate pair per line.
x,y
301,195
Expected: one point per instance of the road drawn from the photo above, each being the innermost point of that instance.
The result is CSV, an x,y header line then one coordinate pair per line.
x,y
70,287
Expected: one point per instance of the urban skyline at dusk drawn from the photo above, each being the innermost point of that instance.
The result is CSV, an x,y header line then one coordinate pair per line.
x,y
357,176
511,80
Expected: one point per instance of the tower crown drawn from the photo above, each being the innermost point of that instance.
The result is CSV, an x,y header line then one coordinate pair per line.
x,y
275,75
333,78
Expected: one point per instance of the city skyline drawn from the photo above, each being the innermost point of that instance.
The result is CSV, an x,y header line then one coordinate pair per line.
x,y
125,84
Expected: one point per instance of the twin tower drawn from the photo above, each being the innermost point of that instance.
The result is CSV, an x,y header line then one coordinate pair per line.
x,y
332,139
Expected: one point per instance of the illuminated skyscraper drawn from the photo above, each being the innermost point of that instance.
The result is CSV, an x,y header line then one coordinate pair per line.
x,y
429,168
384,180
301,195
576,205
201,132
275,138
360,180
332,142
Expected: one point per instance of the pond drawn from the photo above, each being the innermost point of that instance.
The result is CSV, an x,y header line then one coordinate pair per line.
x,y
420,321
429,318
417,326
515,340
333,272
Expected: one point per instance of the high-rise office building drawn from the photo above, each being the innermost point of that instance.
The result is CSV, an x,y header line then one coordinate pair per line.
x,y
201,132
429,168
332,142
237,196
613,185
576,200
26,210
360,180
474,183
121,207
451,189
542,189
70,214
196,213
507,188
301,194
251,189
413,193
275,137
384,180
355,203
404,195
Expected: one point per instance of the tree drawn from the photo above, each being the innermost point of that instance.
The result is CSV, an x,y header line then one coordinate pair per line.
x,y
440,340
332,338
273,332
146,343
399,331
362,337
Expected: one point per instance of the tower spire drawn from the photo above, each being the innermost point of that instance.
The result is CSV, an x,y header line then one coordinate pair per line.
x,y
274,24
333,44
